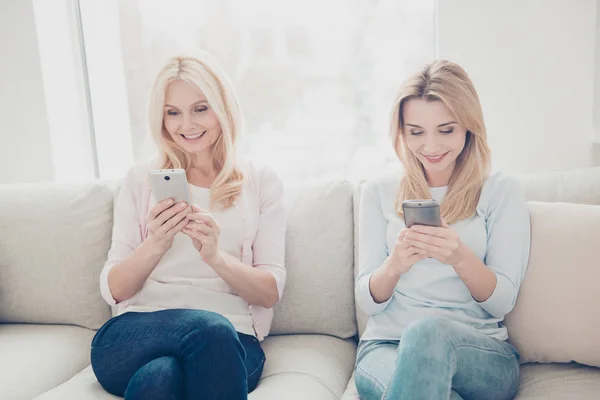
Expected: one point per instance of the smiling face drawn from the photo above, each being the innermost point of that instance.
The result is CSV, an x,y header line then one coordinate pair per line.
x,y
434,137
189,119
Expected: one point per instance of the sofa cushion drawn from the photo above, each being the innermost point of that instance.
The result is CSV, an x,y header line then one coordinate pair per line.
x,y
298,367
558,382
36,358
556,315
319,294
54,239
572,186
542,382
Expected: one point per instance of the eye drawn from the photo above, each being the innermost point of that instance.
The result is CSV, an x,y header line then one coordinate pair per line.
x,y
200,109
447,131
416,133
172,113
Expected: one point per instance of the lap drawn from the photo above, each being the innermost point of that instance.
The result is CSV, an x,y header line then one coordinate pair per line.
x,y
129,341
482,363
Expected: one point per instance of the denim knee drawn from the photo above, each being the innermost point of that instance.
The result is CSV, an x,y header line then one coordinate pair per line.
x,y
207,327
161,378
427,332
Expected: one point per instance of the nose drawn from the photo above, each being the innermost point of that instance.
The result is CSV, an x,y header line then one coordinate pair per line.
x,y
187,122
431,144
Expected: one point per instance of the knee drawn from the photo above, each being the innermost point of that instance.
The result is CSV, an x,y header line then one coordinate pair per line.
x,y
427,333
206,327
161,378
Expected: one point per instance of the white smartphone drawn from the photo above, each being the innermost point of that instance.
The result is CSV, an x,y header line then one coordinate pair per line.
x,y
421,212
169,183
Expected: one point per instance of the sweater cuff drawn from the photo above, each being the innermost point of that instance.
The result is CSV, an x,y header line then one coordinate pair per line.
x,y
365,299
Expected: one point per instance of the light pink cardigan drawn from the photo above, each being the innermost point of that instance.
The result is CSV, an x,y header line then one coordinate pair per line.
x,y
261,202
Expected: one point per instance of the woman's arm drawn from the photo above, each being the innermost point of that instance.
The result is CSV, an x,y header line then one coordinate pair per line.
x,y
495,283
131,260
262,282
379,271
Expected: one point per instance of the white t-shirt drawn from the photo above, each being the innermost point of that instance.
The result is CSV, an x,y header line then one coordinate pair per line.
x,y
183,280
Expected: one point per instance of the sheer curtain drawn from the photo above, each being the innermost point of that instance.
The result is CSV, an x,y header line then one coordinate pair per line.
x,y
316,78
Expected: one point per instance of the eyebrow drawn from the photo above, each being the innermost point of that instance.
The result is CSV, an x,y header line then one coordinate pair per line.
x,y
195,104
439,126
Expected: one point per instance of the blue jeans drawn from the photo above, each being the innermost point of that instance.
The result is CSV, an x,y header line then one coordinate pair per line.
x,y
176,354
437,359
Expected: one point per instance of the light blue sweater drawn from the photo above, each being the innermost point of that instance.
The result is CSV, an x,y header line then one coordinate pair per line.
x,y
498,233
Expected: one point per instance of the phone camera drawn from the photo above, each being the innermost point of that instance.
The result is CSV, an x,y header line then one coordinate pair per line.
x,y
420,204
167,178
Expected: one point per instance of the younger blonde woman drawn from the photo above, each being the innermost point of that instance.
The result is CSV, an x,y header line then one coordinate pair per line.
x,y
436,296
193,284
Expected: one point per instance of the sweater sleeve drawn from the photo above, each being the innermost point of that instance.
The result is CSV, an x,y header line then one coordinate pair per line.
x,y
508,244
373,251
126,234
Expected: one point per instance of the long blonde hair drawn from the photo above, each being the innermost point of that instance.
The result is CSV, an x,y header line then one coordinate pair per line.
x,y
447,82
202,72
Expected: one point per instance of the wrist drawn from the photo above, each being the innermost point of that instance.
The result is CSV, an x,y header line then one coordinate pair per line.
x,y
462,260
218,261
393,268
156,247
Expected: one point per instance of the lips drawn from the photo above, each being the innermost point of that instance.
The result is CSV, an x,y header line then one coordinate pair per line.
x,y
193,136
435,158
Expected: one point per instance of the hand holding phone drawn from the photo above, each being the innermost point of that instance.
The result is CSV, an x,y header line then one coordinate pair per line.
x,y
168,216
421,212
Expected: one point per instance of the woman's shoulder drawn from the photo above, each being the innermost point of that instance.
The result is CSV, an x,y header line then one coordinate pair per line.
x,y
499,186
384,184
261,178
138,173
498,182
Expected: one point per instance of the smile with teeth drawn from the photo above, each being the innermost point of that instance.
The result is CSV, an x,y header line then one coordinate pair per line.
x,y
193,136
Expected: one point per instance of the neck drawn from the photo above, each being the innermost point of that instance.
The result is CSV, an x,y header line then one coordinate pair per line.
x,y
202,171
439,178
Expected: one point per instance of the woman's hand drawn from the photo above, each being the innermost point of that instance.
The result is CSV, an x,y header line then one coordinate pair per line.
x,y
204,231
404,255
165,220
441,243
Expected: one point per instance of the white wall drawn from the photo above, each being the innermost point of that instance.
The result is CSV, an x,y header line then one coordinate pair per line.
x,y
532,62
25,154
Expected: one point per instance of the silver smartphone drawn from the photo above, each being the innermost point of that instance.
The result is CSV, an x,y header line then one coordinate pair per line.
x,y
169,183
421,212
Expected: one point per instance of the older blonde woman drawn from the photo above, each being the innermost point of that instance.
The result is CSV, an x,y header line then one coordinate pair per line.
x,y
193,284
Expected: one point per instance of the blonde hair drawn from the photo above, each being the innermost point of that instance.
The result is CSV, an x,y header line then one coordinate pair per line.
x,y
202,72
446,82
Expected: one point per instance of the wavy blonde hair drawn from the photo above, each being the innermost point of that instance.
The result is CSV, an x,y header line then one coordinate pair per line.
x,y
447,82
202,72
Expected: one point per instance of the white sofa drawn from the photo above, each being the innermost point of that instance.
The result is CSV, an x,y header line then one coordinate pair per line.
x,y
54,239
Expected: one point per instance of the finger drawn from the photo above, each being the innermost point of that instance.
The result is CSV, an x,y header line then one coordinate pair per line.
x,y
199,236
199,209
159,207
431,230
178,228
422,237
402,233
421,245
444,224
170,213
174,220
202,217
200,227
